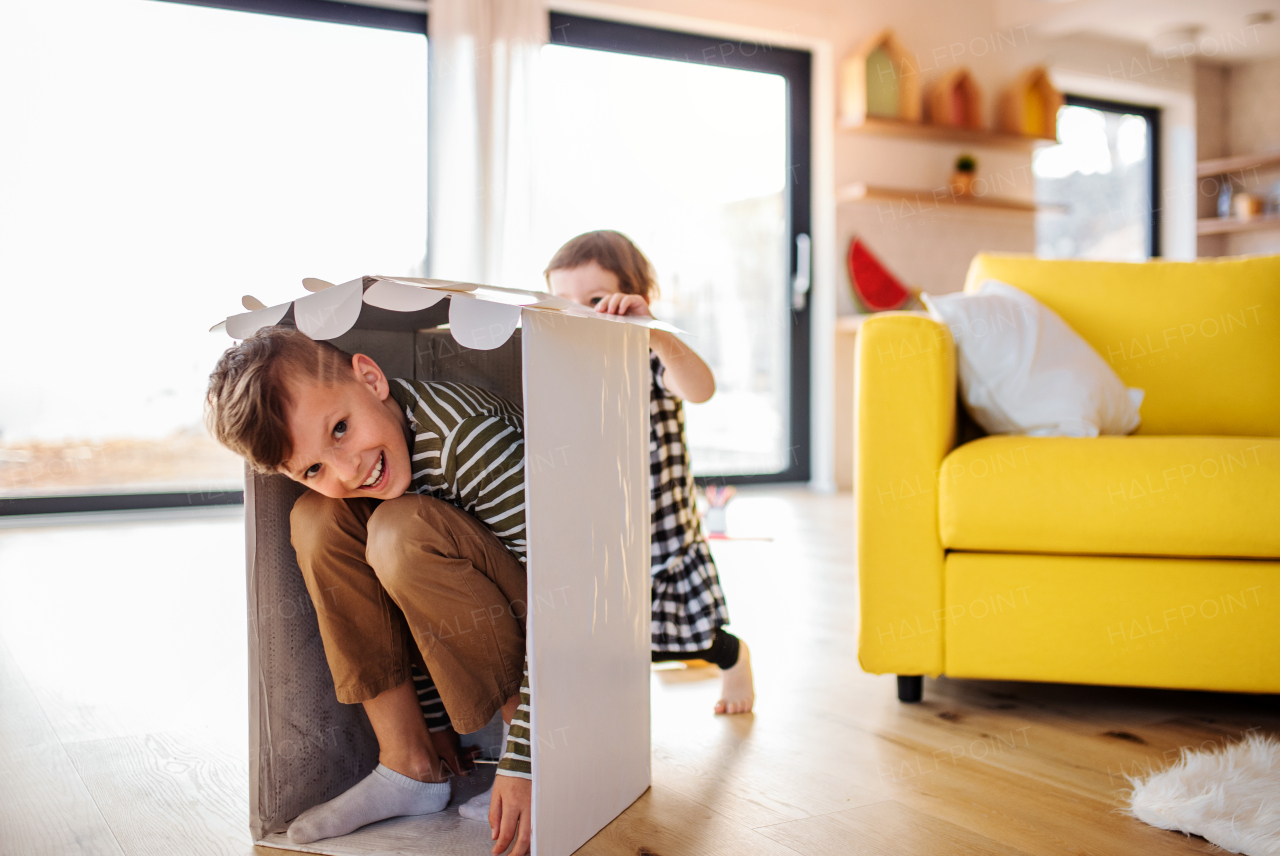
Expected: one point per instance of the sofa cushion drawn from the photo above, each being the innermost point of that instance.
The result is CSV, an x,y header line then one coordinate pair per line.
x,y
1145,496
1201,338
1024,371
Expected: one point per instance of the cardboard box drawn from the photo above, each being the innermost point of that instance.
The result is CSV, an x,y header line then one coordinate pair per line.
x,y
583,379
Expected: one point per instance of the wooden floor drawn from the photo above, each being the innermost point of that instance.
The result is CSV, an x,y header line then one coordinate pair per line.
x,y
123,714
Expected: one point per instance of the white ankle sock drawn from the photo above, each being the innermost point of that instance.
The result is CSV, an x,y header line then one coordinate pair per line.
x,y
382,794
477,808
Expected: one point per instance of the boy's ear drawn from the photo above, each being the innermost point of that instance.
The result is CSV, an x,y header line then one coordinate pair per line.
x,y
370,375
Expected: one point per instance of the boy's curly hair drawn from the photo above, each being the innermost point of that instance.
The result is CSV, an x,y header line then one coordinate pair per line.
x,y
614,252
246,406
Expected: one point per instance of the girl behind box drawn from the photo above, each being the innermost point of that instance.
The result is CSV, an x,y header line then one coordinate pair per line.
x,y
605,270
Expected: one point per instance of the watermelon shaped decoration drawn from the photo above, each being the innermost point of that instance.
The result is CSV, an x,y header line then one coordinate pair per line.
x,y
876,288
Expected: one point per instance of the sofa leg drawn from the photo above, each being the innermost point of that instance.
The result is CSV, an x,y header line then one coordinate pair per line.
x,y
910,687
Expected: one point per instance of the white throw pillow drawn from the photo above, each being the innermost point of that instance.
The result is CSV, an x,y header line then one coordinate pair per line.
x,y
1024,371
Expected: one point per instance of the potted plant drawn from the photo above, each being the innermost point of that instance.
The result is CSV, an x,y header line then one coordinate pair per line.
x,y
962,177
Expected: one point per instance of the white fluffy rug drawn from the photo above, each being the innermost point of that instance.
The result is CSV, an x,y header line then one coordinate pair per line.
x,y
1231,797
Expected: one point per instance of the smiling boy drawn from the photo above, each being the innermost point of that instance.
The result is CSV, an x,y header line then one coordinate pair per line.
x,y
411,543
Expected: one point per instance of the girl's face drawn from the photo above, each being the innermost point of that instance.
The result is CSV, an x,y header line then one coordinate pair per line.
x,y
587,284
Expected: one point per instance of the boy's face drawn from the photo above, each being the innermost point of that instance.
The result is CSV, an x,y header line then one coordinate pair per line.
x,y
587,284
349,438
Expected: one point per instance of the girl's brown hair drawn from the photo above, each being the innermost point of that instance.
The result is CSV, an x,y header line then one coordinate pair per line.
x,y
614,252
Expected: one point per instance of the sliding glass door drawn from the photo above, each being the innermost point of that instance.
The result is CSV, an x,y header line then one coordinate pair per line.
x,y
697,149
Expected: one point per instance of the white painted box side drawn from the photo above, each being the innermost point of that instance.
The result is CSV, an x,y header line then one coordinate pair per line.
x,y
587,505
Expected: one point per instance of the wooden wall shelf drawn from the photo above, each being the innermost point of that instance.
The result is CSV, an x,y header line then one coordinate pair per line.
x,y
945,134
925,200
1227,225
1222,166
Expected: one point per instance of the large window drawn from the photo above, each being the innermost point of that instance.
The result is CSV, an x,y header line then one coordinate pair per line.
x,y
161,160
697,149
166,158
1099,185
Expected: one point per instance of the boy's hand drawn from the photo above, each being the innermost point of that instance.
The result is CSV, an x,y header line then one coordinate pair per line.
x,y
449,748
623,304
509,812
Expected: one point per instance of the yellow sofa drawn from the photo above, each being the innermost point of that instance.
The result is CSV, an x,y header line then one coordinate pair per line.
x,y
1147,560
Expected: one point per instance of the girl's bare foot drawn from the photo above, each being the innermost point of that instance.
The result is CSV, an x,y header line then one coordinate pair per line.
x,y
737,693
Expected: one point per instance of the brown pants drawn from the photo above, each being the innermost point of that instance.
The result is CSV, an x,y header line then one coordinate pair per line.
x,y
413,580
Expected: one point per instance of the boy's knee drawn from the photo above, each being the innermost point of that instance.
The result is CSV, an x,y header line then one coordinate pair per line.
x,y
313,521
394,524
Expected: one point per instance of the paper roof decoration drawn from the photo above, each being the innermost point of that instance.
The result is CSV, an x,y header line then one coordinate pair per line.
x,y
481,317
1029,106
880,81
955,99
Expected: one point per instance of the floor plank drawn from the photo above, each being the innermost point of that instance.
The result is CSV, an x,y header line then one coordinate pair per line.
x,y
749,770
883,829
130,628
169,793
1037,744
663,823
44,806
988,798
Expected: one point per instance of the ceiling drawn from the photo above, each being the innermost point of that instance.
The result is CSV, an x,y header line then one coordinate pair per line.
x,y
1226,31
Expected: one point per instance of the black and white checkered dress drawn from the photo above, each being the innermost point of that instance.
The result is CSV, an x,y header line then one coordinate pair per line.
x,y
688,605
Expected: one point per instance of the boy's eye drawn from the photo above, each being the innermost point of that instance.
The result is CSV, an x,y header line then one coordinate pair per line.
x,y
340,428
311,470
596,300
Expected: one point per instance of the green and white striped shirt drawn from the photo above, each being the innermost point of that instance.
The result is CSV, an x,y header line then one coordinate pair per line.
x,y
468,449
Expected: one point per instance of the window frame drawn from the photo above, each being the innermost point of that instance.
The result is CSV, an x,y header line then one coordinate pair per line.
x,y
1152,115
328,11
796,67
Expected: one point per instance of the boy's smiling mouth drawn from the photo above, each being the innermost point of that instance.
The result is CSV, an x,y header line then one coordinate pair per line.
x,y
375,479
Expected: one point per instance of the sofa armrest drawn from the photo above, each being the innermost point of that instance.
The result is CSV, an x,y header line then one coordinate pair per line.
x,y
906,420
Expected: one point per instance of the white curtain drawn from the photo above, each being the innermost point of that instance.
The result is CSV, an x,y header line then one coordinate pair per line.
x,y
484,61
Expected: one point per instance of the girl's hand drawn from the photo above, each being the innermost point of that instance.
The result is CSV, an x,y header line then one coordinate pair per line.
x,y
624,304
687,376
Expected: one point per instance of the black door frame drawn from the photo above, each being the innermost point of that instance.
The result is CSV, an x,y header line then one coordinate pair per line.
x,y
1152,115
795,66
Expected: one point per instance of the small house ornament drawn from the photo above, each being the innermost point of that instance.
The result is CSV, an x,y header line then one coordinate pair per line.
x,y
955,100
1029,106
879,81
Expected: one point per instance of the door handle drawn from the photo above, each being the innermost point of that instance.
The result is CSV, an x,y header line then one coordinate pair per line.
x,y
802,281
